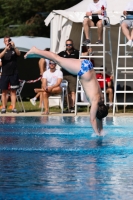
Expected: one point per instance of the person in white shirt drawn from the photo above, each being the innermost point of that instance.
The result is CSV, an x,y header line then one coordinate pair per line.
x,y
90,21
51,81
126,24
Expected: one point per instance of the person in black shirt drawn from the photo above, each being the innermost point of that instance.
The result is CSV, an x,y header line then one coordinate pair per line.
x,y
70,52
9,76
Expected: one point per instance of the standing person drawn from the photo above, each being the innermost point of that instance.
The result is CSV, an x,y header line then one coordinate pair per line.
x,y
43,66
70,52
51,81
91,21
84,69
7,96
126,24
9,74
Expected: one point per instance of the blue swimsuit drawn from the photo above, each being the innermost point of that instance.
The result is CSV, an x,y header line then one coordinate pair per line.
x,y
86,65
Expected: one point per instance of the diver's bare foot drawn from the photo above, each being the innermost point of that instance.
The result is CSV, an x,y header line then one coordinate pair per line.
x,y
103,133
31,51
98,134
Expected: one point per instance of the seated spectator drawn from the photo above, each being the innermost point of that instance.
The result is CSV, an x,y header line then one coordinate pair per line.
x,y
43,66
127,23
90,20
51,81
109,87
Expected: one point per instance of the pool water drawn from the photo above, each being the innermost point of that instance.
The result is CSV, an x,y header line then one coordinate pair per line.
x,y
58,158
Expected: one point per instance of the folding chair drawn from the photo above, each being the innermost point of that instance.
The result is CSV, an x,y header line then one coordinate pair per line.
x,y
18,95
60,97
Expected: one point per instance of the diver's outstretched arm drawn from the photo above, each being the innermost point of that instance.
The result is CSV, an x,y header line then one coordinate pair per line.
x,y
93,118
100,125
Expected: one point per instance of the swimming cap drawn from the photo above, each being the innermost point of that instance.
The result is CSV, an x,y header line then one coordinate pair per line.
x,y
102,110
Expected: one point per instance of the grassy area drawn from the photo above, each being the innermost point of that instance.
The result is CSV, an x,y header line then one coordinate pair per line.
x,y
30,108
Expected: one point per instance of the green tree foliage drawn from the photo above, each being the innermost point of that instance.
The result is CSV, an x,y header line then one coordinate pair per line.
x,y
28,16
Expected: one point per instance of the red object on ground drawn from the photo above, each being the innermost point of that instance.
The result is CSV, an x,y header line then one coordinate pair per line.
x,y
10,107
101,83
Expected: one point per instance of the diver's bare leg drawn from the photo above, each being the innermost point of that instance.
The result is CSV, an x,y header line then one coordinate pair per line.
x,y
71,65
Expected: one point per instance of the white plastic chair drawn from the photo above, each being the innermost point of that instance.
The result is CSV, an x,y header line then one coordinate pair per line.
x,y
60,97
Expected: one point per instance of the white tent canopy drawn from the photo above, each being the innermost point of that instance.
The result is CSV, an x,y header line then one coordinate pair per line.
x,y
64,22
24,43
76,13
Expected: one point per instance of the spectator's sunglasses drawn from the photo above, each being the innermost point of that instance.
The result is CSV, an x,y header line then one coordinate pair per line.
x,y
52,63
69,45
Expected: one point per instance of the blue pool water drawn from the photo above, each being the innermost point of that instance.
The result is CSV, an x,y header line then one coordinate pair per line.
x,y
57,158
